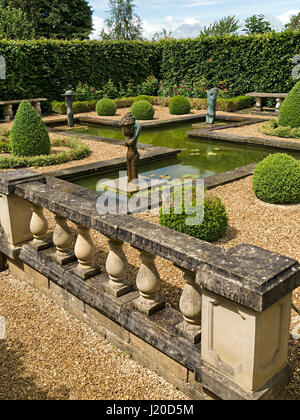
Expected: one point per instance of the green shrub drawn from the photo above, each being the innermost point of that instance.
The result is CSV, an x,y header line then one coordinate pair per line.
x,y
213,227
143,98
5,147
78,107
277,179
59,107
84,92
29,135
289,113
149,86
85,106
124,102
179,105
143,110
106,107
78,150
110,91
271,128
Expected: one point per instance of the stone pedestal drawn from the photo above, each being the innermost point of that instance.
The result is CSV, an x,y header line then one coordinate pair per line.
x,y
15,217
247,348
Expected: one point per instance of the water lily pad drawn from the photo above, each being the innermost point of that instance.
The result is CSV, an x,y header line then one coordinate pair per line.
x,y
193,176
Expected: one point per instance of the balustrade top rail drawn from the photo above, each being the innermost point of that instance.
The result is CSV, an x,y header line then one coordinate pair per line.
x,y
245,274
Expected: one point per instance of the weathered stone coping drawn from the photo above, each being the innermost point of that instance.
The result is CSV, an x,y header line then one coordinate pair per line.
x,y
216,134
245,274
116,123
153,153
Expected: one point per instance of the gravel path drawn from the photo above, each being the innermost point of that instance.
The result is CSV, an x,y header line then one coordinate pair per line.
x,y
48,354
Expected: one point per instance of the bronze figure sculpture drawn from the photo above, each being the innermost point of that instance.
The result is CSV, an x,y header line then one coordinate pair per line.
x,y
211,108
131,129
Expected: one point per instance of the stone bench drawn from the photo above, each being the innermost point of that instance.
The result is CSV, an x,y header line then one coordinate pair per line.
x,y
8,106
259,96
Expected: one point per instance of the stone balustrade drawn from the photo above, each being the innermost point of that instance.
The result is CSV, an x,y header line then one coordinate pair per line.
x,y
236,303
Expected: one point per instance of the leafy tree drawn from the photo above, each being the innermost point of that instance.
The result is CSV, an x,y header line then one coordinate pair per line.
x,y
164,34
14,23
257,24
294,24
226,26
122,22
60,19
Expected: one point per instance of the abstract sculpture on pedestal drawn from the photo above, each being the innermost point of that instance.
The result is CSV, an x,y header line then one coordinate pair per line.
x,y
69,96
131,129
211,105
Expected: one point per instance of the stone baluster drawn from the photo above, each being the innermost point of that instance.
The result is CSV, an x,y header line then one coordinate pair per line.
x,y
39,229
85,252
190,306
62,239
149,284
116,268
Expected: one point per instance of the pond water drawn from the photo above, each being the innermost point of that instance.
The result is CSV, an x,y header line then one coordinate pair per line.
x,y
199,158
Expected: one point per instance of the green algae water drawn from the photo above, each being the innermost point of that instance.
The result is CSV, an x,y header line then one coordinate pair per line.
x,y
198,158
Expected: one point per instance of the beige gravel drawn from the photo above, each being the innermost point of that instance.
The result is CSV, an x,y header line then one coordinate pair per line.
x,y
48,354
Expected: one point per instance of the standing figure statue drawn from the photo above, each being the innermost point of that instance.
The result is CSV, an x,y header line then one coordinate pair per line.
x,y
131,129
212,103
69,96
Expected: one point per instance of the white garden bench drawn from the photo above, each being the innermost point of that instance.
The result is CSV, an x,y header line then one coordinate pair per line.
x,y
260,95
8,106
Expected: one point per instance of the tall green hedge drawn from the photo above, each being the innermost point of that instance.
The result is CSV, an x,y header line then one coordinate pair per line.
x,y
46,68
251,63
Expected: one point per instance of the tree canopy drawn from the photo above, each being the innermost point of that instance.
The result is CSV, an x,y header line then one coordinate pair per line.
x,y
122,22
226,26
14,23
60,19
294,24
257,24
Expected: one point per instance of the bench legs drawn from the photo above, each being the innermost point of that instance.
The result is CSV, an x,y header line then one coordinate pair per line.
x,y
279,102
258,105
37,106
8,112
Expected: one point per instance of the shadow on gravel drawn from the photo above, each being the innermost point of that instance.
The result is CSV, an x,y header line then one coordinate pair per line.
x,y
16,383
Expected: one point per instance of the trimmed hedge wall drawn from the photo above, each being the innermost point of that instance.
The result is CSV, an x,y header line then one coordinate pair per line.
x,y
46,68
251,63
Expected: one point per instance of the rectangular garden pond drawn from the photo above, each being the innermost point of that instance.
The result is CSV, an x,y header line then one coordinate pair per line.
x,y
198,159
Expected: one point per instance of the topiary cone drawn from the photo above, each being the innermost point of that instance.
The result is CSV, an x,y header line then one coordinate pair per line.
x,y
29,135
289,114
